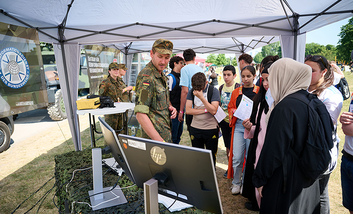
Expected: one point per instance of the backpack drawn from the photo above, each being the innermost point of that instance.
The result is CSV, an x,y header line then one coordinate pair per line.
x,y
237,85
104,101
315,157
343,87
209,97
174,80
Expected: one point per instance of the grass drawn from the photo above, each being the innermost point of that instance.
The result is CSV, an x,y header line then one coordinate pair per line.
x,y
15,188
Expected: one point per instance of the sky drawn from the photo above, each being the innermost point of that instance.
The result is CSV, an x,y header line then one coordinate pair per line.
x,y
323,36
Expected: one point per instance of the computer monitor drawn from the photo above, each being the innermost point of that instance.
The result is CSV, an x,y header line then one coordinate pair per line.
x,y
112,141
190,171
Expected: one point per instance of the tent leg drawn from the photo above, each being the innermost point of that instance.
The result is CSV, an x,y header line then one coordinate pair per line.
x,y
71,111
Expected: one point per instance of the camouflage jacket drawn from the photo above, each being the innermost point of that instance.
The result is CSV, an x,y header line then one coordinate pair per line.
x,y
152,99
113,89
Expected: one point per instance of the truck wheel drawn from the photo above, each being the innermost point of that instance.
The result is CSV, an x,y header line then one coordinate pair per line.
x,y
57,110
4,136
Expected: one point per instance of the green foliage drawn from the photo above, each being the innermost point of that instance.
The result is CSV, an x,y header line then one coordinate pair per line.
x,y
345,43
234,62
258,57
271,49
328,51
221,60
211,58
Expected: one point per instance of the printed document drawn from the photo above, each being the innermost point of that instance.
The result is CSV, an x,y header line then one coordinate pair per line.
x,y
244,109
220,115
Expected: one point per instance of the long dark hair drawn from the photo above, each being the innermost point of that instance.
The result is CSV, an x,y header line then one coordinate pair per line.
x,y
328,77
259,99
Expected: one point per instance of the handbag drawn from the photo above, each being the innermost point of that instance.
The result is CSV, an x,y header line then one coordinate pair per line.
x,y
343,87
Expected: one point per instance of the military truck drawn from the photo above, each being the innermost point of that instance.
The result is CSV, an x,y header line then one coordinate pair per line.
x,y
22,80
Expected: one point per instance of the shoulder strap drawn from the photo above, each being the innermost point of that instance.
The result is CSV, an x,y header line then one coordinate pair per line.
x,y
220,89
192,96
210,93
174,80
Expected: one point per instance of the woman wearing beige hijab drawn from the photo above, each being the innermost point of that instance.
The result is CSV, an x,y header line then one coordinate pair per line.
x,y
287,122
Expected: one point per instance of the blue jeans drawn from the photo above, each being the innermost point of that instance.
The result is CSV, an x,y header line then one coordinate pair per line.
x,y
240,145
177,130
347,183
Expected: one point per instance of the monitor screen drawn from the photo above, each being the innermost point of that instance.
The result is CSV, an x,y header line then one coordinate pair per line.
x,y
112,141
190,171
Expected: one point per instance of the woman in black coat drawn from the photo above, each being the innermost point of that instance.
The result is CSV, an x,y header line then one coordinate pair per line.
x,y
277,177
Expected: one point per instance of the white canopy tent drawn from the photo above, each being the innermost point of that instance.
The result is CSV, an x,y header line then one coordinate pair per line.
x,y
70,23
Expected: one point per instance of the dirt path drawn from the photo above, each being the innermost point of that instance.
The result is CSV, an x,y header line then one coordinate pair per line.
x,y
20,154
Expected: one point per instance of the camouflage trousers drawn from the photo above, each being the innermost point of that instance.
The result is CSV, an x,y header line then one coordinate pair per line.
x,y
116,122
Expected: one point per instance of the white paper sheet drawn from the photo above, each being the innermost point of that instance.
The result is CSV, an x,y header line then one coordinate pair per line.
x,y
220,115
269,98
177,206
244,109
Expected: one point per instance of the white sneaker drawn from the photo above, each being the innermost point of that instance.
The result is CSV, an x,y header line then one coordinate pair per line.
x,y
235,189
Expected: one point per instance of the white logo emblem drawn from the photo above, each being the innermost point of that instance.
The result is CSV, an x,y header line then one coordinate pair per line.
x,y
14,68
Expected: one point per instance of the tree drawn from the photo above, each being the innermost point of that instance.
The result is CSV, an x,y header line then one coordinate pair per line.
x,y
234,61
221,60
328,51
271,49
211,58
345,43
258,57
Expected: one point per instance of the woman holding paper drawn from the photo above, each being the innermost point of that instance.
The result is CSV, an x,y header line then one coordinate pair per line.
x,y
255,129
239,145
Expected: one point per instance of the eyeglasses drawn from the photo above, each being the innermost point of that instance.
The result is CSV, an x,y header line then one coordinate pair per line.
x,y
316,59
181,62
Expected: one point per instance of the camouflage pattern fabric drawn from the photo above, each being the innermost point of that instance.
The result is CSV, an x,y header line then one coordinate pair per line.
x,y
113,89
163,46
152,99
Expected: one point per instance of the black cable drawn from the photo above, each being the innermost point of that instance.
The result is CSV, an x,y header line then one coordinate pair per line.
x,y
32,195
175,199
55,195
46,194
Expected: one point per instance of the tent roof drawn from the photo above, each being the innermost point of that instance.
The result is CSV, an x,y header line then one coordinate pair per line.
x,y
110,21
211,45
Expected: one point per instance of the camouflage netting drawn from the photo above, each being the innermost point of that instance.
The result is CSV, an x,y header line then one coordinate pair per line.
x,y
78,189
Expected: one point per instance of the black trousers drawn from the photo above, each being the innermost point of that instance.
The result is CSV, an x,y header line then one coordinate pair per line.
x,y
201,138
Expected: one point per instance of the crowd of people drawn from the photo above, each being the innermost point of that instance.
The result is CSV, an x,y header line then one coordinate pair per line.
x,y
267,141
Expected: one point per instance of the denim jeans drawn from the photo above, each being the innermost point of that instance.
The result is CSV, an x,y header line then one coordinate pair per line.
x,y
240,145
347,183
177,130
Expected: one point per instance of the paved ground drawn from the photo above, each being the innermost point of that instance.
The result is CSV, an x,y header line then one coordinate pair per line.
x,y
35,134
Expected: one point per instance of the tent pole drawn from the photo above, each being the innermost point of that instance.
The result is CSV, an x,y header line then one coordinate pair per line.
x,y
296,22
61,35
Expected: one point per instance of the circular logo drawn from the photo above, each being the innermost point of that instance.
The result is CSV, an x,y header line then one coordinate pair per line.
x,y
158,155
14,68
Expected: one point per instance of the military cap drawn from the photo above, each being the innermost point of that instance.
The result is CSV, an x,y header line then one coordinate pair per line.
x,y
115,65
163,46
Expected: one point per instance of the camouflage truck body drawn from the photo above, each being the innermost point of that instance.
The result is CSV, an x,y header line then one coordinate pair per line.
x,y
22,80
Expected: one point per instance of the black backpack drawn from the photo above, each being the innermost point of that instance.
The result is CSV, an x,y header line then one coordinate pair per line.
x,y
343,87
315,157
104,101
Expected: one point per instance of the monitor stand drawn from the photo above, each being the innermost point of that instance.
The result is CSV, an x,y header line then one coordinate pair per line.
x,y
108,199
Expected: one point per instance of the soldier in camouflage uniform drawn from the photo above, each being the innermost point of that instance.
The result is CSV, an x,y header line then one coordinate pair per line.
x,y
153,108
115,88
